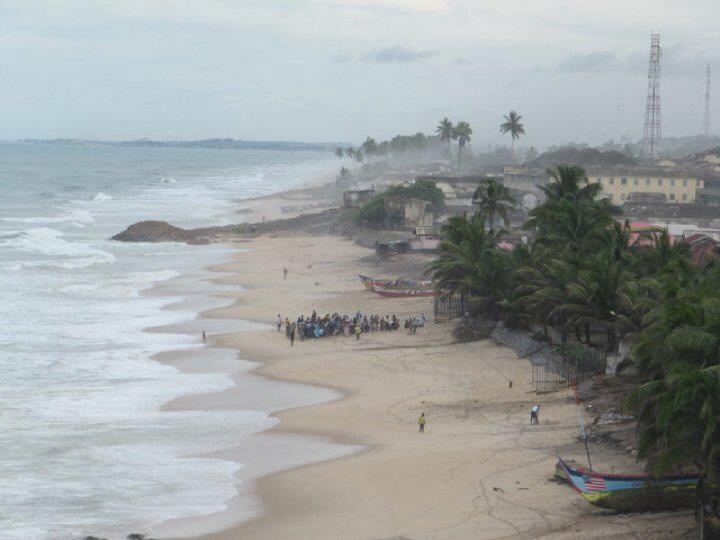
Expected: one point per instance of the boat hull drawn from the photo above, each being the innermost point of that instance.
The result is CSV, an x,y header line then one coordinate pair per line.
x,y
403,293
401,287
629,493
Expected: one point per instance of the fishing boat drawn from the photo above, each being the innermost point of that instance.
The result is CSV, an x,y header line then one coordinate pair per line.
x,y
403,293
628,492
395,284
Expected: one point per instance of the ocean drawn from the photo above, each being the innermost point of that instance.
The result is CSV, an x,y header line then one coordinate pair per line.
x,y
84,445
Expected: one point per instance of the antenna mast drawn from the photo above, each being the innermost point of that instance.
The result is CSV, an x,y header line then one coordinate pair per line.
x,y
652,135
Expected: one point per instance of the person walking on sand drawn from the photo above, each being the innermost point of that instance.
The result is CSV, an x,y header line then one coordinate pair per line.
x,y
535,415
285,272
279,323
204,336
421,423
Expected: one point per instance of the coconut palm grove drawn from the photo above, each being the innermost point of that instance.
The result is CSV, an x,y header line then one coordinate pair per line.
x,y
579,275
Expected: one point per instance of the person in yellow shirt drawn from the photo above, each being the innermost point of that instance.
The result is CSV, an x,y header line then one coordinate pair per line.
x,y
421,423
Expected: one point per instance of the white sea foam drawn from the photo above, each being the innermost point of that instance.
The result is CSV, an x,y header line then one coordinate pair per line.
x,y
101,197
78,217
48,241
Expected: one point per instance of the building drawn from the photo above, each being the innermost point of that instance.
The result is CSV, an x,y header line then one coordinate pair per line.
x,y
356,198
618,184
458,186
677,187
408,212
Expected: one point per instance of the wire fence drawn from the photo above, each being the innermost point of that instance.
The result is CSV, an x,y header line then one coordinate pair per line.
x,y
562,370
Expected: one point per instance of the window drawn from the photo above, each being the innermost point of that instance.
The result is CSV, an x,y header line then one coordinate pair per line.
x,y
611,181
623,181
672,182
684,196
672,196
659,181
647,181
635,181
684,183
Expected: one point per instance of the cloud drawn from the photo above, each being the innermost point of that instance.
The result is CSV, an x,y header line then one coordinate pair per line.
x,y
593,62
396,55
676,61
341,58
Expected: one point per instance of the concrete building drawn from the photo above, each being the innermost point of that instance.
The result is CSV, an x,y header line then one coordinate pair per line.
x,y
619,184
677,187
356,198
408,212
458,186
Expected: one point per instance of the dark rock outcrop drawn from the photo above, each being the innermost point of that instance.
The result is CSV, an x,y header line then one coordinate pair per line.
x,y
161,231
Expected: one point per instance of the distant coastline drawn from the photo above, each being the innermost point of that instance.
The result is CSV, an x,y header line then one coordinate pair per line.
x,y
222,144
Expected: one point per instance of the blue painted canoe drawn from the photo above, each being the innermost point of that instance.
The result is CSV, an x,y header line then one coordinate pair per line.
x,y
629,492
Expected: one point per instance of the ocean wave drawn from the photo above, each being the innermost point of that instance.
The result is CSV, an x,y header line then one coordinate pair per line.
x,y
47,241
101,197
78,217
128,287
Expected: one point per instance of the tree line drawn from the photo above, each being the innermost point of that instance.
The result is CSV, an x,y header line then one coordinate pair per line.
x,y
581,275
445,133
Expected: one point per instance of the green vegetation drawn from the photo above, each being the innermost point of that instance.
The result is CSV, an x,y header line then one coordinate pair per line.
x,y
462,134
580,275
512,126
374,211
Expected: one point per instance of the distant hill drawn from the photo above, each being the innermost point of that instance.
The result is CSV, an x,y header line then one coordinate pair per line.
x,y
677,147
585,157
225,144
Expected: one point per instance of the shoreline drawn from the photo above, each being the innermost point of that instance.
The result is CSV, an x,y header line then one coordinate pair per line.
x,y
245,394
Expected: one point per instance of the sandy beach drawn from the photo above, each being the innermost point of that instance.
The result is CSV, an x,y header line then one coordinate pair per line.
x,y
353,464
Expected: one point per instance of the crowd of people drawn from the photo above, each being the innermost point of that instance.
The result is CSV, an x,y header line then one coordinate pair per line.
x,y
316,326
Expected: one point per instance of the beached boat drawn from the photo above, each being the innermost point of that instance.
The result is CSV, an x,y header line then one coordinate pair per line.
x,y
403,293
628,492
395,284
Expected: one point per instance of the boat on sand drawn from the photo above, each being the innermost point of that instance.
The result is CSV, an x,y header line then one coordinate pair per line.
x,y
629,492
398,287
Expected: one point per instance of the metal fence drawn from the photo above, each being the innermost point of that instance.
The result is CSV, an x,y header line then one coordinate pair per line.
x,y
450,306
558,371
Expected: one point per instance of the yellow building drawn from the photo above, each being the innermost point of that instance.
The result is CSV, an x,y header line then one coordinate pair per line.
x,y
675,187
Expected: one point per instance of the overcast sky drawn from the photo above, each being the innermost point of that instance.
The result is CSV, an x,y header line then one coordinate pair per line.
x,y
339,70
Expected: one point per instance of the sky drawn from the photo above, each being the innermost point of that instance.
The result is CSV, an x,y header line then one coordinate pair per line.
x,y
341,70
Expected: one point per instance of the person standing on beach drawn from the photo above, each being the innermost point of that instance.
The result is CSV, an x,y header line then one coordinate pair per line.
x,y
421,423
357,331
292,335
204,336
279,323
535,415
285,272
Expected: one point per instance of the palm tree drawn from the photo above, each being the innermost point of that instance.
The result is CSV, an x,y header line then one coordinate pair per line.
x,y
369,147
493,200
470,263
445,131
350,152
339,153
462,134
679,423
513,126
